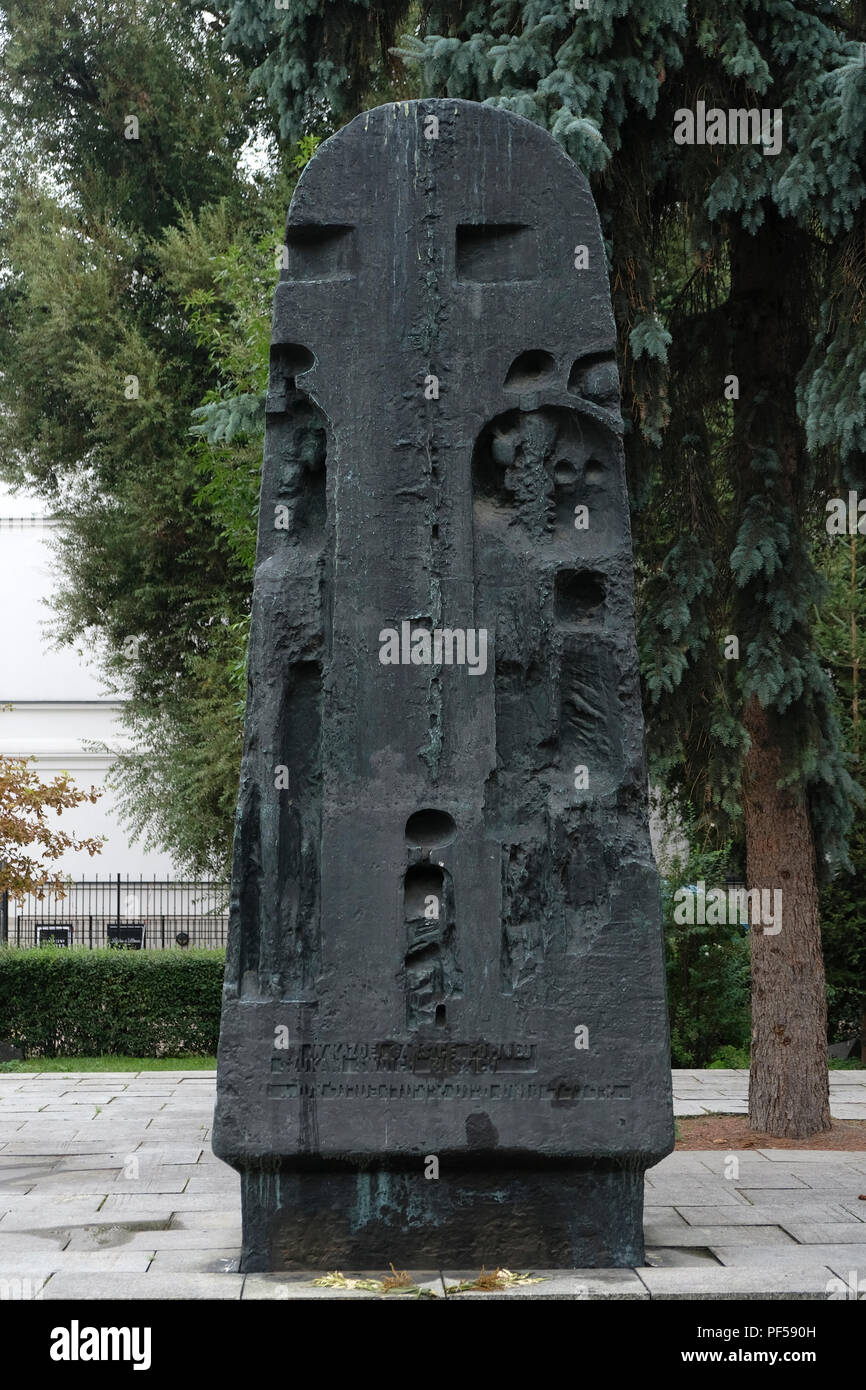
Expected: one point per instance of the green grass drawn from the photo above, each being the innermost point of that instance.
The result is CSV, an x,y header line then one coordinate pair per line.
x,y
739,1057
112,1064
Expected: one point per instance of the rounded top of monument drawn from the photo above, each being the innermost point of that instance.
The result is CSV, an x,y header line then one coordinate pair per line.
x,y
494,143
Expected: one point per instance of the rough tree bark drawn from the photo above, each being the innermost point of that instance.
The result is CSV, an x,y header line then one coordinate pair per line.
x,y
769,322
788,1087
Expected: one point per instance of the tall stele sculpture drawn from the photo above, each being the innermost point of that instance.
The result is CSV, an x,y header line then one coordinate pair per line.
x,y
444,1036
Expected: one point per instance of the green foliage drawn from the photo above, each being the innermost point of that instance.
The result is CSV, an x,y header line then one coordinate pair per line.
x,y
134,289
112,1063
71,75
707,968
843,939
315,63
730,1058
59,1002
841,631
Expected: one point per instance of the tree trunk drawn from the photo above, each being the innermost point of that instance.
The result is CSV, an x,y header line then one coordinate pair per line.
x,y
788,1082
771,335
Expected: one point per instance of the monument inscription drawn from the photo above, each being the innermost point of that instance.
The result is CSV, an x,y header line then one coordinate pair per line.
x,y
443,893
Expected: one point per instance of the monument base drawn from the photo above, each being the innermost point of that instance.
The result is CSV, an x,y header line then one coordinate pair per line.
x,y
574,1217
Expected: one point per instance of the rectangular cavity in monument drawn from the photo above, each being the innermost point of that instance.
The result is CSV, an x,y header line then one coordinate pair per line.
x,y
487,252
578,596
320,251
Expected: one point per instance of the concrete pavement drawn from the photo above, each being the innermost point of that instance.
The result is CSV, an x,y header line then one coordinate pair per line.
x,y
108,1189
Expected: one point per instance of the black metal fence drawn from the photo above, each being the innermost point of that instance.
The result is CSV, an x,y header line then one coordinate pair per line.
x,y
142,914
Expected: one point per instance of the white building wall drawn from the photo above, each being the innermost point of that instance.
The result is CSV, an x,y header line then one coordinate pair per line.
x,y
58,702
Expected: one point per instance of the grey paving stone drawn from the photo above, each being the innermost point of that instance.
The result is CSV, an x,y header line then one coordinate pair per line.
x,y
171,1238
156,1202
679,1164
794,1197
853,1276
812,1156
709,1236
222,1182
222,1260
857,1209
20,1242
183,1287
765,1176
77,1262
17,1288
792,1256
88,1097
827,1232
30,1211
86,1184
23,1169
721,1282
99,1162
154,1152
222,1219
830,1178
676,1194
772,1214
674,1256
23,1105
663,1218
59,1148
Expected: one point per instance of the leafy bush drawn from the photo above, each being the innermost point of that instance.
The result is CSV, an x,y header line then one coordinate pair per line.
x,y
75,1003
843,940
707,968
728,1057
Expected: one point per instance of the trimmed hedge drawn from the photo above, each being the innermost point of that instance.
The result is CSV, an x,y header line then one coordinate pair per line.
x,y
57,1002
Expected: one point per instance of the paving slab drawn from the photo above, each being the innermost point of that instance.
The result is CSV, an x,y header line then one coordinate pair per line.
x,y
708,1236
826,1232
773,1213
34,1214
663,1219
721,1283
221,1219
677,1256
15,1243
178,1286
720,1193
86,1184
77,1262
66,1142
122,1203
825,1157
218,1260
792,1256
165,1238
793,1196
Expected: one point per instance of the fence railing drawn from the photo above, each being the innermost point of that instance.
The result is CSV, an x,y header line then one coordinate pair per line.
x,y
140,913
